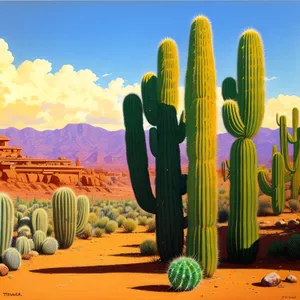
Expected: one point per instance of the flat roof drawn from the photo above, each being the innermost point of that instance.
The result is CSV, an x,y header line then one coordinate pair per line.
x,y
4,138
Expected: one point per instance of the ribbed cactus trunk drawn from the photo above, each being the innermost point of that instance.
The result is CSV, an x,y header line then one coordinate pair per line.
x,y
243,113
39,220
6,222
83,210
160,101
201,132
64,206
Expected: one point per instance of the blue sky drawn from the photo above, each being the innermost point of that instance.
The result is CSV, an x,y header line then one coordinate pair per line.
x,y
122,37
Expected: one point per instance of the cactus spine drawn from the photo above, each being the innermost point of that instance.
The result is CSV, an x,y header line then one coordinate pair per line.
x,y
6,222
83,207
64,216
276,189
201,132
243,113
294,139
160,101
39,220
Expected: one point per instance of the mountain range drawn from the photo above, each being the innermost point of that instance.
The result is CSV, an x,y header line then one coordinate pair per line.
x,y
99,148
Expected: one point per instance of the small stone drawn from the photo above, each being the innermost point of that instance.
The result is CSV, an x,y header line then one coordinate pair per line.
x,y
280,224
3,270
272,279
11,276
291,279
34,253
293,224
26,256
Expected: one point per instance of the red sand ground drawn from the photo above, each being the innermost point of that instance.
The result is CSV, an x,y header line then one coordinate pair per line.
x,y
110,267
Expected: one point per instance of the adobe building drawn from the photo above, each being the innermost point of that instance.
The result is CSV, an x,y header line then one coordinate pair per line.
x,y
14,167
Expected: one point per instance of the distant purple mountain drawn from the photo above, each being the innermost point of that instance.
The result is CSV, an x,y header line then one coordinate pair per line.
x,y
97,147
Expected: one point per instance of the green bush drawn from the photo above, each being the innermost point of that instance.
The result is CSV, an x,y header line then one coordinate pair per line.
x,y
294,205
93,218
87,233
129,225
102,222
120,220
143,221
98,232
111,226
151,225
148,247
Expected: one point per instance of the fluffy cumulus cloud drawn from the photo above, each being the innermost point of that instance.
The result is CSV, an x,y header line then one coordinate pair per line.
x,y
31,95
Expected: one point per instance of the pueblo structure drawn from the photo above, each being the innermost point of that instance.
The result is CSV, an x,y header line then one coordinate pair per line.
x,y
14,167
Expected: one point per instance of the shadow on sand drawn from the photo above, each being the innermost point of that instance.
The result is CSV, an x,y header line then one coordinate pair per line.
x,y
154,288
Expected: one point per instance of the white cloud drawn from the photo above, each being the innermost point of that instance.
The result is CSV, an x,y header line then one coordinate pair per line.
x,y
270,78
106,74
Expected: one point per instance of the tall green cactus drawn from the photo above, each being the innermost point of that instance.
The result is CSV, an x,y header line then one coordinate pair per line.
x,y
83,207
276,189
201,133
160,102
6,222
64,206
294,139
243,113
39,220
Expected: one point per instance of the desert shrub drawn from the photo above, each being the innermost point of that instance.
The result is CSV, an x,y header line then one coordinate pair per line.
x,y
98,232
113,214
148,247
128,209
50,230
106,210
93,218
132,214
143,220
294,205
120,220
129,225
87,233
265,208
151,225
222,191
277,248
96,210
121,209
111,226
102,222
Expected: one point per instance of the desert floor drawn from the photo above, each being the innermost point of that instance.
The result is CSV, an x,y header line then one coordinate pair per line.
x,y
110,267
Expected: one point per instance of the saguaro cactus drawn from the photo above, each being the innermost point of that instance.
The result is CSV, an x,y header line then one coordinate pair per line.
x,y
243,113
6,222
201,133
276,189
160,102
64,216
294,139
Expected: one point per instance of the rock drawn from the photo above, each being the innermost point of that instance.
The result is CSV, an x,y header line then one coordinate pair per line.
x,y
3,270
26,256
272,279
280,224
11,276
34,253
293,224
291,279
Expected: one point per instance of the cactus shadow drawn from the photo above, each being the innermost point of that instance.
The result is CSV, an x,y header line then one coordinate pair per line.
x,y
131,246
155,288
127,254
145,268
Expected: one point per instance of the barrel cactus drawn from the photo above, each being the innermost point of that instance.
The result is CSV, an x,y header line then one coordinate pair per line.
x,y
184,274
39,220
50,246
83,208
201,130
160,98
293,246
7,222
12,259
23,245
64,216
243,113
38,238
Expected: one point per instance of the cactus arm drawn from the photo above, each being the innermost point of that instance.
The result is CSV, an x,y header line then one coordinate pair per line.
x,y
229,91
149,97
136,153
264,185
181,129
153,141
295,124
183,184
231,118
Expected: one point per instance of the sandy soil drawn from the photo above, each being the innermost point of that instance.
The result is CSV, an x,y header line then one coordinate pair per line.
x,y
110,267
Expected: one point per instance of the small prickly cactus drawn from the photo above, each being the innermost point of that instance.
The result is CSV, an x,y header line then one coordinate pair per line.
x,y
83,208
38,238
50,246
12,259
293,246
23,245
7,222
184,274
64,216
39,220
24,231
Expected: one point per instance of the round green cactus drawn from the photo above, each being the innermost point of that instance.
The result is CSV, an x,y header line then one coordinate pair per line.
x,y
7,222
293,246
23,245
277,248
184,274
38,238
83,208
12,259
39,220
50,246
